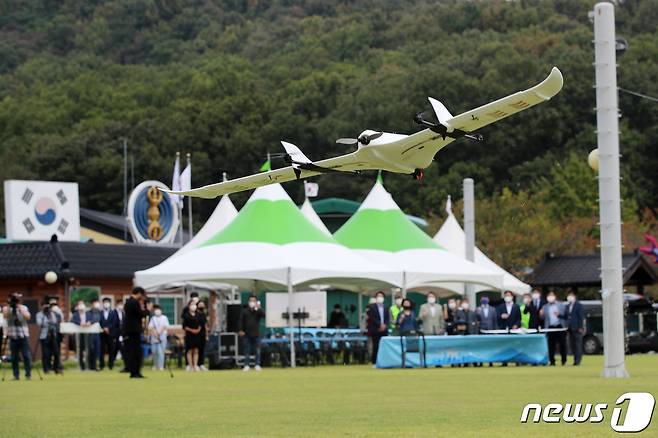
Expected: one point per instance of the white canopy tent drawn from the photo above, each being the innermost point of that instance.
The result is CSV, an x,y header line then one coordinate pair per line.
x,y
309,213
381,232
451,236
270,244
223,215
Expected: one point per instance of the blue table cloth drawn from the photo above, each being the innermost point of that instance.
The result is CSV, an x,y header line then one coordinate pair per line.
x,y
453,350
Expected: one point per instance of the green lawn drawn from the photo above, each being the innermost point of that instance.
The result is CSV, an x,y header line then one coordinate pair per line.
x,y
336,401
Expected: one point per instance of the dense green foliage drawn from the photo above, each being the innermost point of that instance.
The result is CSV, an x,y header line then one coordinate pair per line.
x,y
226,80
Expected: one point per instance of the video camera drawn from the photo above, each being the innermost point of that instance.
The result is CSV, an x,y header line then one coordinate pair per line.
x,y
15,299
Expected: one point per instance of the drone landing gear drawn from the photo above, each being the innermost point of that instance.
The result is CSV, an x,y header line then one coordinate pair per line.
x,y
418,174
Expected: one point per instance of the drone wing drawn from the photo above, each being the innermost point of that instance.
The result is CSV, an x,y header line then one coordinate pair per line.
x,y
343,163
512,104
418,150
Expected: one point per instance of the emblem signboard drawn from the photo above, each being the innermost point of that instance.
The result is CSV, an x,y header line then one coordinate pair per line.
x,y
152,214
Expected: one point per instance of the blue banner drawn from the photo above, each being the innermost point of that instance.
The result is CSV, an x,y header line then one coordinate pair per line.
x,y
453,350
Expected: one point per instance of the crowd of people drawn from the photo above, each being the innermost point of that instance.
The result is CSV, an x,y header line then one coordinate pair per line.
x,y
106,333
124,328
558,320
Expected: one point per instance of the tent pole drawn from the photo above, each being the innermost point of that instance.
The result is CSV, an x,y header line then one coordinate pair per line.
x,y
360,308
404,284
291,324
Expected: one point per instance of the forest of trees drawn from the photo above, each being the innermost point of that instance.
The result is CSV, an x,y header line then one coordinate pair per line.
x,y
227,79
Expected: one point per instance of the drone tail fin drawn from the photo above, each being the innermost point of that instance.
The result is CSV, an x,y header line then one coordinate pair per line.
x,y
441,112
295,153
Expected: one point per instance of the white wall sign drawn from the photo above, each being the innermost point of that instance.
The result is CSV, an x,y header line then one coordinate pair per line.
x,y
315,303
35,210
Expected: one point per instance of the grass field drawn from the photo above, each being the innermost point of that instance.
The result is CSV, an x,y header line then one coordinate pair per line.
x,y
355,401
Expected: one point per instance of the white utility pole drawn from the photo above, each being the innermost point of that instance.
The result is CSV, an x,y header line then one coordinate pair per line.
x,y
469,230
607,131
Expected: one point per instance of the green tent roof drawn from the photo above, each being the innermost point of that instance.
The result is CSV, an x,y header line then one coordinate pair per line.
x,y
346,207
284,222
380,224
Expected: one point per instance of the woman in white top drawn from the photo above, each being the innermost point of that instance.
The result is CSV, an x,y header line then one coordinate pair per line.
x,y
157,329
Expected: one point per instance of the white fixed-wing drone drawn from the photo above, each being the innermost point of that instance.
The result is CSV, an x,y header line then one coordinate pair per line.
x,y
397,153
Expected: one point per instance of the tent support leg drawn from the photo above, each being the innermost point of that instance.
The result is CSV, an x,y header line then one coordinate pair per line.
x,y
360,308
404,284
291,324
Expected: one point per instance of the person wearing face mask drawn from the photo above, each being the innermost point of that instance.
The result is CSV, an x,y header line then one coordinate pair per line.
x,y
94,317
117,334
553,313
575,325
135,311
157,329
337,319
536,303
406,322
194,297
201,309
250,332
192,328
364,325
109,324
79,317
395,310
486,315
449,316
379,318
48,321
509,314
525,311
431,316
465,319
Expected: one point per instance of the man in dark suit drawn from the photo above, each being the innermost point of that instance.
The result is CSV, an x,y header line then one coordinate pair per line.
x,y
509,314
135,312
378,320
486,315
110,324
575,326
535,305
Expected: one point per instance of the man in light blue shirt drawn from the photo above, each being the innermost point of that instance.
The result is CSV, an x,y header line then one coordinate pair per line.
x,y
554,314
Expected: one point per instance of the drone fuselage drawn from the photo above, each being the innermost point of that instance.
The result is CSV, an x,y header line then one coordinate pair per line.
x,y
384,152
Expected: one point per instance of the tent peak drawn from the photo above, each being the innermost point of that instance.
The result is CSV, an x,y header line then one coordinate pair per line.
x,y
379,199
271,192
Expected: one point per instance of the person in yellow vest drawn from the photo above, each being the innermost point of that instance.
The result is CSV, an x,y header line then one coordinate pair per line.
x,y
525,311
395,310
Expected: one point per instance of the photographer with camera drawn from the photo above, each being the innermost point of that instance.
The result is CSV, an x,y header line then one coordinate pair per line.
x,y
135,310
3,324
48,320
17,315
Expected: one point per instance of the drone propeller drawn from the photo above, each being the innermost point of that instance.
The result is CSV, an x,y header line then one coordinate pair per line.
x,y
364,139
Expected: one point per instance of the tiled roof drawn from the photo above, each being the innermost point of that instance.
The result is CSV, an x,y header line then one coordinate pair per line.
x,y
585,270
111,224
83,260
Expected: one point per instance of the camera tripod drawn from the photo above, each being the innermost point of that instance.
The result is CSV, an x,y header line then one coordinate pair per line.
x,y
33,353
